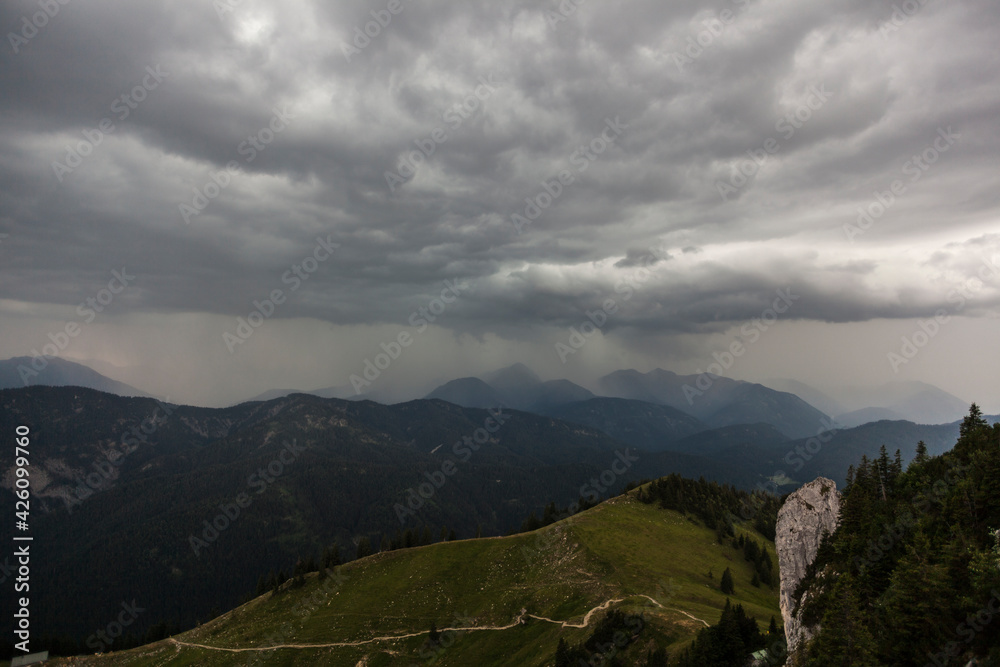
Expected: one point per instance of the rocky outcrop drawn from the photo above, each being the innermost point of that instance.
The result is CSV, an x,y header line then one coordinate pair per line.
x,y
807,514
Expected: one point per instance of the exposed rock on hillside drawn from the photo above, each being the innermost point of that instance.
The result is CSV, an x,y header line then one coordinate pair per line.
x,y
802,520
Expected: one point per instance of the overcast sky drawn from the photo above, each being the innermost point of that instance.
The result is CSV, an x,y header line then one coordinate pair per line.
x,y
673,163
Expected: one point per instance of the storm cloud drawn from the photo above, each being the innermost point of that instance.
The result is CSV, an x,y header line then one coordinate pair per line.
x,y
537,151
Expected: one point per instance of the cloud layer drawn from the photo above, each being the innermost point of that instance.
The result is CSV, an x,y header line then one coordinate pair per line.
x,y
539,151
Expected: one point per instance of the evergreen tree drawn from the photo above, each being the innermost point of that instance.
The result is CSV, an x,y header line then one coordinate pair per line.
x,y
657,658
845,638
331,557
726,584
913,605
434,637
364,547
921,456
562,654
972,422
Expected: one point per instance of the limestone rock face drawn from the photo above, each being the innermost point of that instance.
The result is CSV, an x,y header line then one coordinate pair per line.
x,y
802,520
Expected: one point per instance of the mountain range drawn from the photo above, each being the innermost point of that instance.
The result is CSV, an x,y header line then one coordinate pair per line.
x,y
795,408
173,495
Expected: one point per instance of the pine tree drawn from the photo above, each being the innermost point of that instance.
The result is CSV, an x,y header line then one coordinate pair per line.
x,y
921,456
331,557
657,658
726,584
845,638
364,547
915,605
434,637
562,654
972,422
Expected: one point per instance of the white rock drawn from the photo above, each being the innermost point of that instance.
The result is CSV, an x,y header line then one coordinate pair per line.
x,y
808,513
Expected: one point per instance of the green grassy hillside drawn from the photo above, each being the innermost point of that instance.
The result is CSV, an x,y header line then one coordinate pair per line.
x,y
496,601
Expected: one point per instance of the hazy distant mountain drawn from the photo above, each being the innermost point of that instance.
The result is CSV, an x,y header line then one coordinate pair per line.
x,y
914,401
718,402
555,393
468,393
512,378
59,373
867,416
811,395
345,392
516,387
272,394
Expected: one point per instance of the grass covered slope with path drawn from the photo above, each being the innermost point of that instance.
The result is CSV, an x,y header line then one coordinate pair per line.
x,y
496,601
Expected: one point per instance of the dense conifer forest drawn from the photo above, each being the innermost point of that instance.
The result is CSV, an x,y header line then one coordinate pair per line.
x,y
912,574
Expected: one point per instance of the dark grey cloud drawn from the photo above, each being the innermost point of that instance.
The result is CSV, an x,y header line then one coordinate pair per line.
x,y
515,104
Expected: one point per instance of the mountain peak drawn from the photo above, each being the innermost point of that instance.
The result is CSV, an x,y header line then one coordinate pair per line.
x,y
57,372
515,376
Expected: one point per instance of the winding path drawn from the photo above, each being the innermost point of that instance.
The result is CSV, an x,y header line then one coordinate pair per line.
x,y
681,611
586,619
517,621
